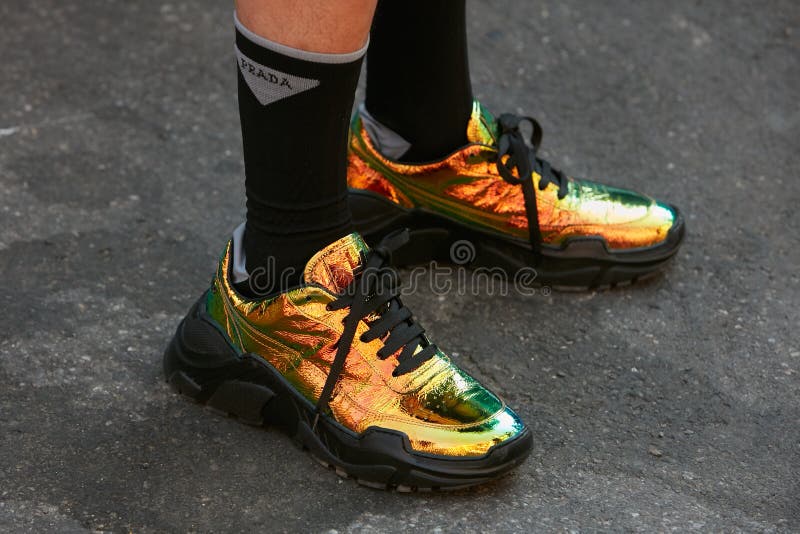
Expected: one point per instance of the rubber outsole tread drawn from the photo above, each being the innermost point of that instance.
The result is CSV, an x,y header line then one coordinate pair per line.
x,y
341,473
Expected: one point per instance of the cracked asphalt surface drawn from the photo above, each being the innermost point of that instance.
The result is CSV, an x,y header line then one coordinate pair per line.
x,y
672,405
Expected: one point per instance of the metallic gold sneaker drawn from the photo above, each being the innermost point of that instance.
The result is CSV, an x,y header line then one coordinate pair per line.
x,y
575,233
342,365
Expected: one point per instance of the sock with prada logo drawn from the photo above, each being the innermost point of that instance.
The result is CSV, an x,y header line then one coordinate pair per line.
x,y
295,109
418,75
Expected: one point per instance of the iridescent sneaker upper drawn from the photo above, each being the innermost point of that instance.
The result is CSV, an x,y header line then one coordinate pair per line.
x,y
467,186
440,408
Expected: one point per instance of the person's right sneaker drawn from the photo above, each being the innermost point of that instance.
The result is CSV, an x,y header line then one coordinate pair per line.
x,y
502,205
342,365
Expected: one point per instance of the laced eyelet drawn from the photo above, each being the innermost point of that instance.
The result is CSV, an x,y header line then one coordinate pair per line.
x,y
380,298
514,151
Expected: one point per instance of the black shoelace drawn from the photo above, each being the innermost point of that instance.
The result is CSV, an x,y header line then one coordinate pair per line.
x,y
523,157
373,291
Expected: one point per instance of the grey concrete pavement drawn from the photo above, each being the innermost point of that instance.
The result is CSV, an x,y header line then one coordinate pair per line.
x,y
671,405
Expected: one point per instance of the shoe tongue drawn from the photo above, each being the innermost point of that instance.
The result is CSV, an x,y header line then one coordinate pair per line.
x,y
482,126
335,266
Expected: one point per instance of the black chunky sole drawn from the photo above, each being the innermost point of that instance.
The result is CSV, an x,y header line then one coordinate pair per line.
x,y
201,364
580,264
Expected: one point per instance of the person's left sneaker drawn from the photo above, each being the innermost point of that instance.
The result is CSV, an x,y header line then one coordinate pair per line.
x,y
575,233
343,367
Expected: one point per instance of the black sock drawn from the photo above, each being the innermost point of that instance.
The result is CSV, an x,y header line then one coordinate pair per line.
x,y
418,74
295,109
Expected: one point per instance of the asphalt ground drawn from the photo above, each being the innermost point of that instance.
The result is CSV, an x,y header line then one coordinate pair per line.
x,y
672,405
